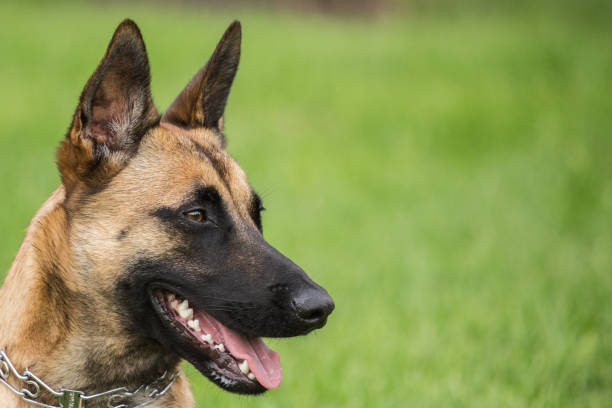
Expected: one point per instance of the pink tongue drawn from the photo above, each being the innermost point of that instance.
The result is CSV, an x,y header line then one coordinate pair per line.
x,y
263,361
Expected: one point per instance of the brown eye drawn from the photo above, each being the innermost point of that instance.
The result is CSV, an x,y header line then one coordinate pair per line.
x,y
196,215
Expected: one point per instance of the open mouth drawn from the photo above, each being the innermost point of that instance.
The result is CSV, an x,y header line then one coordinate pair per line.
x,y
229,359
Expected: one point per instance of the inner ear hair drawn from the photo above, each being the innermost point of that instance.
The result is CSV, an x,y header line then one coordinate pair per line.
x,y
115,110
116,103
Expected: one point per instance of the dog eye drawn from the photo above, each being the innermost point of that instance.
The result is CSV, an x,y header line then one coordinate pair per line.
x,y
196,215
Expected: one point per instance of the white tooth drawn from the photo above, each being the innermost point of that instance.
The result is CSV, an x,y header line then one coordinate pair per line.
x,y
220,347
184,305
185,313
251,376
244,367
207,338
194,324
174,304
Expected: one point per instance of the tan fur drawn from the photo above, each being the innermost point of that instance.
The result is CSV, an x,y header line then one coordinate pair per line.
x,y
57,313
50,334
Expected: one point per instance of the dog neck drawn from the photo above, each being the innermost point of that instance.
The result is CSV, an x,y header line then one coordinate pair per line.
x,y
49,326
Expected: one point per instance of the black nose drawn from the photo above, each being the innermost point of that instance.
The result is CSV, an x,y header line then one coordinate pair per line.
x,y
312,305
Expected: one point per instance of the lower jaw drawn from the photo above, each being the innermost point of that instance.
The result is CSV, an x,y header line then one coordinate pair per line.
x,y
228,381
220,367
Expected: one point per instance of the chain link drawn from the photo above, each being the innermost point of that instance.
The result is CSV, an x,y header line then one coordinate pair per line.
x,y
116,398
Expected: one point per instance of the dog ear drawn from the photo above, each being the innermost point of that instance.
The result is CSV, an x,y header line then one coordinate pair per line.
x,y
114,112
202,103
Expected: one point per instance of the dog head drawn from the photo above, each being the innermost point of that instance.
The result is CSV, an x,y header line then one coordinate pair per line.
x,y
167,226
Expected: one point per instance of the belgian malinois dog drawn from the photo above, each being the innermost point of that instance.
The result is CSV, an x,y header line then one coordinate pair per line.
x,y
149,252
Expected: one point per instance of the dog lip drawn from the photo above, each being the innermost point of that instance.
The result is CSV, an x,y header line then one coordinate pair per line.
x,y
219,367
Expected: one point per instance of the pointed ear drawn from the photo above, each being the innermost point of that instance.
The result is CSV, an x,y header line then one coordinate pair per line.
x,y
202,102
114,112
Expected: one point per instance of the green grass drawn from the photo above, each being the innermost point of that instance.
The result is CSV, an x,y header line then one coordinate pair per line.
x,y
447,179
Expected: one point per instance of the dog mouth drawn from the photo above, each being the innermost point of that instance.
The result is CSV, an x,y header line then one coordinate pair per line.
x,y
231,360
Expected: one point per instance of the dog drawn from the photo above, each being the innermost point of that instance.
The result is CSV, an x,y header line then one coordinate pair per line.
x,y
149,252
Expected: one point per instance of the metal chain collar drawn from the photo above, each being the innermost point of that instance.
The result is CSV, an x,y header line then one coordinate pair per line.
x,y
116,398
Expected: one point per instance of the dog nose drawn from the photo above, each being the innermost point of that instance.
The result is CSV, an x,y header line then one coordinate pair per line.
x,y
312,305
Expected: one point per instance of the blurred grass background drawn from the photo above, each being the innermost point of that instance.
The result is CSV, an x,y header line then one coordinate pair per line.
x,y
444,169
